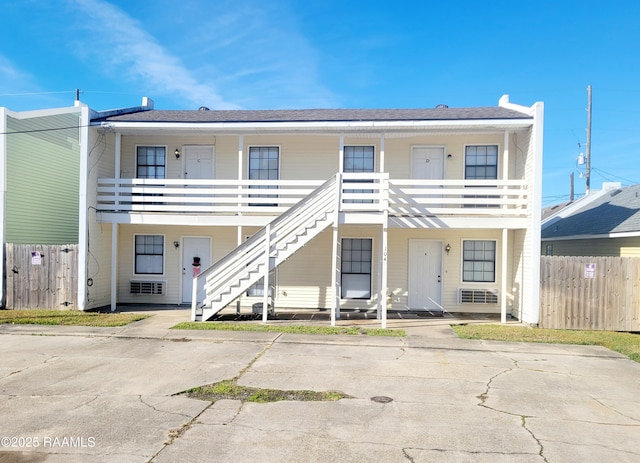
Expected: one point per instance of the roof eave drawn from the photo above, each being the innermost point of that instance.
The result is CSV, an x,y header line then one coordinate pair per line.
x,y
498,124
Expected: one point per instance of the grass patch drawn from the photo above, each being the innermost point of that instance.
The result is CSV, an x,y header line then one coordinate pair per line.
x,y
229,389
625,343
67,317
288,329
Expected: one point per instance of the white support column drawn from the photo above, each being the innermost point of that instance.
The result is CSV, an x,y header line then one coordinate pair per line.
x,y
381,167
114,227
240,156
265,296
337,248
114,266
503,272
3,195
335,296
383,272
341,154
83,209
239,242
239,238
505,167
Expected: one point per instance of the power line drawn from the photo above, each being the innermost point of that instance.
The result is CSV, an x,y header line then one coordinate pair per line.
x,y
37,93
45,130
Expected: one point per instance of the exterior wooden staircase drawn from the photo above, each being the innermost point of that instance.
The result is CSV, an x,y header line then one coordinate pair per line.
x,y
231,276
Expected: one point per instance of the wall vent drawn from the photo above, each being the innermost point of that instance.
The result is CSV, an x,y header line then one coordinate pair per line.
x,y
477,296
147,287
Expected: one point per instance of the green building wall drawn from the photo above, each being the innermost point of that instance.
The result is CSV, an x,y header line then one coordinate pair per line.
x,y
42,178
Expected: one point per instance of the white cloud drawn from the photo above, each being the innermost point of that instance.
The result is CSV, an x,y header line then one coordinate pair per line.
x,y
12,78
220,54
124,46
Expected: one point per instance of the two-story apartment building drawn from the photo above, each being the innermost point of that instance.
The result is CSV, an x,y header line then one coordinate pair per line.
x,y
409,209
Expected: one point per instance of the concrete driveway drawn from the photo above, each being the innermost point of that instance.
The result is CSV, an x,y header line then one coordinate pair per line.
x,y
71,394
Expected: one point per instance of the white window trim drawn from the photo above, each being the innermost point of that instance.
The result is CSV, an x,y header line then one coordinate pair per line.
x,y
264,146
371,289
164,256
351,145
495,263
498,158
147,145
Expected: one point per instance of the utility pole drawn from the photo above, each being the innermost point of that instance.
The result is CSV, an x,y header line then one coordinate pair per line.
x,y
588,152
571,193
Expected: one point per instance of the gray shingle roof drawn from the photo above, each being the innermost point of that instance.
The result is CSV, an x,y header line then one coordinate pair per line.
x,y
615,212
318,115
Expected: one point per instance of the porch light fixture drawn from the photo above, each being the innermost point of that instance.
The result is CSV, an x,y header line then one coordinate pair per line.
x,y
177,153
447,248
176,244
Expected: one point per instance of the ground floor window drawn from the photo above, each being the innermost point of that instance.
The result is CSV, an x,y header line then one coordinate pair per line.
x,y
149,254
356,268
479,261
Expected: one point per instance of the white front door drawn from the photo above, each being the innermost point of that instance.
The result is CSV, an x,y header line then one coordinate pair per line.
x,y
198,162
427,162
425,274
194,251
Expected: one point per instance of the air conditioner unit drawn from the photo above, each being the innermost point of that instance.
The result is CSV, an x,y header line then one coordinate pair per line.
x,y
150,287
477,296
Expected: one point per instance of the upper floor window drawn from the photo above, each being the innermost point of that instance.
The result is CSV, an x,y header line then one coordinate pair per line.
x,y
479,261
264,164
481,162
358,159
149,254
151,162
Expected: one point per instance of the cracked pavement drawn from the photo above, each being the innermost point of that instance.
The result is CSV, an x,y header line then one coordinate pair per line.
x,y
112,394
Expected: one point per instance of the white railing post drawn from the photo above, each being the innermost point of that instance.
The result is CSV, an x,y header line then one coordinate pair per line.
x,y
194,298
265,295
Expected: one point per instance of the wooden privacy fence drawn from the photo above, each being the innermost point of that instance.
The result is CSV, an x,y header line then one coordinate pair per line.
x,y
590,293
41,276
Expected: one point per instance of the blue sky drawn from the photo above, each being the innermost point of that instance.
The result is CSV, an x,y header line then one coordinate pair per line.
x,y
257,54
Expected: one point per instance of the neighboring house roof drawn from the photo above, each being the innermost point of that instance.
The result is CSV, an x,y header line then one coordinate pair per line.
x,y
610,212
318,115
551,210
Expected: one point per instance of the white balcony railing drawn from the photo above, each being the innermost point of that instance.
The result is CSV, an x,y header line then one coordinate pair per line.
x,y
506,198
358,193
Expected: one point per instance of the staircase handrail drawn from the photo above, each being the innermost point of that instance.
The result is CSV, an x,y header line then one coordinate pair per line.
x,y
249,250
